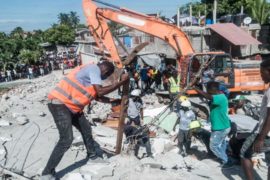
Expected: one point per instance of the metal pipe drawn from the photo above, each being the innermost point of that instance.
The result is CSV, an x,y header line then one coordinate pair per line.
x,y
178,45
107,4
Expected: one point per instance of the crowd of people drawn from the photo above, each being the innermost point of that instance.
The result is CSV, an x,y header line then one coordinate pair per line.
x,y
41,68
150,79
25,71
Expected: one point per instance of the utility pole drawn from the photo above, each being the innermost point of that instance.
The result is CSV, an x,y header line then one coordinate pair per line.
x,y
178,17
215,12
242,10
190,14
205,13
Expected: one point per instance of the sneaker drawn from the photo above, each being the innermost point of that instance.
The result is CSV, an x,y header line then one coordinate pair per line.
x,y
47,177
227,165
92,155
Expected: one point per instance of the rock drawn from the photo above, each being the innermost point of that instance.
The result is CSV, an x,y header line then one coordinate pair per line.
x,y
16,115
87,176
42,114
22,96
74,176
160,145
4,123
106,142
170,160
5,139
98,170
2,152
22,120
5,97
104,131
10,104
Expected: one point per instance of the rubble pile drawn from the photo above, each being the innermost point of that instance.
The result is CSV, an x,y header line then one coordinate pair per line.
x,y
28,135
150,101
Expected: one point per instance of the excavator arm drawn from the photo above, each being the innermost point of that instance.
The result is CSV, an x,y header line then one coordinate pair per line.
x,y
171,34
100,31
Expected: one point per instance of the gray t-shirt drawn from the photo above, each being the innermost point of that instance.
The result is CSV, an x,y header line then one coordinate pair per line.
x,y
263,113
134,108
185,118
207,75
89,75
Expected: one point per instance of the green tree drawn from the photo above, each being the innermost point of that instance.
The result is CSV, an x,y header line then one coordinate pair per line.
x,y
17,33
70,19
74,18
63,18
260,10
29,57
6,60
226,6
3,36
61,34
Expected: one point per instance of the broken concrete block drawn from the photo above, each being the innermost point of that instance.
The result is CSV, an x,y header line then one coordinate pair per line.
x,y
2,152
106,142
22,120
104,131
73,176
105,172
42,114
170,160
87,176
5,139
98,170
159,145
5,97
15,115
10,104
4,123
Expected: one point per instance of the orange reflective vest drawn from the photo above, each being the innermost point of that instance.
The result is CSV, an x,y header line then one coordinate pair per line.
x,y
72,93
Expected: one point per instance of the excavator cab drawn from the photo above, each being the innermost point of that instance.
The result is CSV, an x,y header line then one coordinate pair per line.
x,y
220,69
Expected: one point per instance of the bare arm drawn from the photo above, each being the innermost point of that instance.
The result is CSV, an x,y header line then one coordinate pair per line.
x,y
141,116
258,144
101,91
104,99
204,94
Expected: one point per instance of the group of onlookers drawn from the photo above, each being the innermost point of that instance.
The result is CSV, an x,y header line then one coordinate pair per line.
x,y
26,71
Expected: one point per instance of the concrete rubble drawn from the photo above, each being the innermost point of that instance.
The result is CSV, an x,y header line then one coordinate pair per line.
x,y
28,135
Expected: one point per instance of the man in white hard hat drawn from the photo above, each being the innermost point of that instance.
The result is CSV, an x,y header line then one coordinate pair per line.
x,y
186,115
133,126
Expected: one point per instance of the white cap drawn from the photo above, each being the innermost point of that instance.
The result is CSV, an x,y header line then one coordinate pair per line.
x,y
136,92
186,103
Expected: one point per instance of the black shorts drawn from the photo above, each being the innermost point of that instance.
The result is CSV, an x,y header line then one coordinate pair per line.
x,y
247,152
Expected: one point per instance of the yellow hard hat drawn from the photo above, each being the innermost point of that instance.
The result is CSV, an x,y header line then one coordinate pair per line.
x,y
183,98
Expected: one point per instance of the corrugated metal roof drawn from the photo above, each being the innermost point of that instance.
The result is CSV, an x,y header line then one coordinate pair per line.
x,y
234,34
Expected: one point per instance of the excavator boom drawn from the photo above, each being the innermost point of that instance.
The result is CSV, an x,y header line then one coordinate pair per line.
x,y
171,34
100,31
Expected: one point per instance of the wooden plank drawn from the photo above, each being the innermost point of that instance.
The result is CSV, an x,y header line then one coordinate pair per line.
x,y
123,114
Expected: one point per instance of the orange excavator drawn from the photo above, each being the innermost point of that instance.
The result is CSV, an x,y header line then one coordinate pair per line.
x,y
239,76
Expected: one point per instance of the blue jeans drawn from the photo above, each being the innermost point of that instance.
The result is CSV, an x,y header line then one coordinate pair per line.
x,y
218,144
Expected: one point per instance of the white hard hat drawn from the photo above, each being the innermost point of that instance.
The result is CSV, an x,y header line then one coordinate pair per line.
x,y
136,92
186,103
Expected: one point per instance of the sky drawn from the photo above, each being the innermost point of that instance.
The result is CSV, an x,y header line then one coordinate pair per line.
x,y
41,14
